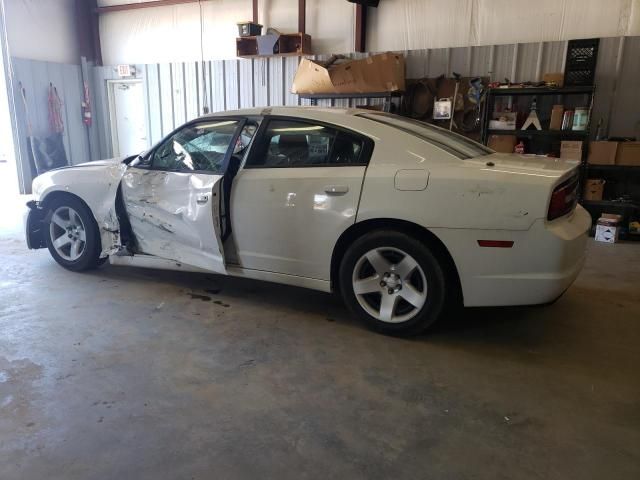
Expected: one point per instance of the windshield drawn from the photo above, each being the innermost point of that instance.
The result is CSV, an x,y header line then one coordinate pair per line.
x,y
458,145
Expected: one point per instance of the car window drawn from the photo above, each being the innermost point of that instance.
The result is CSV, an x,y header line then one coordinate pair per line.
x,y
244,140
292,143
458,145
198,147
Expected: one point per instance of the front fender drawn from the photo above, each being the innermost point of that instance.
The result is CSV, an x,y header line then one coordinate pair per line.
x,y
97,185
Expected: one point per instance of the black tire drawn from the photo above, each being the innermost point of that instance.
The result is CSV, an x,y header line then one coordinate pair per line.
x,y
90,255
433,271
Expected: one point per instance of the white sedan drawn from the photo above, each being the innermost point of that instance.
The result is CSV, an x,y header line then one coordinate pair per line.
x,y
402,218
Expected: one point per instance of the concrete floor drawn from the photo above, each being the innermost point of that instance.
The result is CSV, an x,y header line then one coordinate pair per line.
x,y
125,373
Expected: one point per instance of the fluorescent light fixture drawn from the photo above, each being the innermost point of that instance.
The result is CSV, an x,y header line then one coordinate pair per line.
x,y
298,129
217,124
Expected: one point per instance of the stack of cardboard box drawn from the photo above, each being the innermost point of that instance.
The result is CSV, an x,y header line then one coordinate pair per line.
x,y
614,153
601,153
571,150
383,72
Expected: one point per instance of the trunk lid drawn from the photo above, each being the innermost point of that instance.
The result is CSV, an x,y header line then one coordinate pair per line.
x,y
528,164
553,182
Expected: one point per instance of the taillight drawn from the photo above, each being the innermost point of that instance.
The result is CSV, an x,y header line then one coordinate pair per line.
x,y
563,198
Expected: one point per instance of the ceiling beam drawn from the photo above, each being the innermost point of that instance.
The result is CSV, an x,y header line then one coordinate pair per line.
x,y
88,33
136,6
302,16
361,28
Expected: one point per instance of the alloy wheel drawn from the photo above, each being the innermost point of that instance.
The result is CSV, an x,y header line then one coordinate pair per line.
x,y
67,232
389,284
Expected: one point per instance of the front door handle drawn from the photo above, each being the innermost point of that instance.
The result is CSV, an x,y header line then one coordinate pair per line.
x,y
202,199
336,189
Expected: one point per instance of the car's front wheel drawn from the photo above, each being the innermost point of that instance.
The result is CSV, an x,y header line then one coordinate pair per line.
x,y
393,282
72,235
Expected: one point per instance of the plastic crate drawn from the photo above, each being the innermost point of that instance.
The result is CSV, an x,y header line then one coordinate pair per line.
x,y
580,65
249,29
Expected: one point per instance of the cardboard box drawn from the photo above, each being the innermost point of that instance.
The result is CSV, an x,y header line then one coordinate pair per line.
x,y
502,143
593,188
556,117
503,121
571,150
602,153
628,153
555,78
379,73
611,218
608,228
502,125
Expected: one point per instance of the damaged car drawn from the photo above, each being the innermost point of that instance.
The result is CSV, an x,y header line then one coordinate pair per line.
x,y
402,218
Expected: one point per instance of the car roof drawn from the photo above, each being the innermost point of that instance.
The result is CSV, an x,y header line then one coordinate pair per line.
x,y
298,111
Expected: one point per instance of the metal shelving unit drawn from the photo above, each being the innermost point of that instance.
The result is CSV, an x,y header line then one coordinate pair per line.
x,y
610,203
589,89
616,175
563,134
615,168
388,96
492,94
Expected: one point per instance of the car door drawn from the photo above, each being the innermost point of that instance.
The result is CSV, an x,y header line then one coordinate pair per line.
x,y
172,196
298,191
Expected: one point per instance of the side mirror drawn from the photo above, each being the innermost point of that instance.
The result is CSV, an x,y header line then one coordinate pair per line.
x,y
141,161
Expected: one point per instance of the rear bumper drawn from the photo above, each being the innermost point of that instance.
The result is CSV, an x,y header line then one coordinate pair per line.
x,y
34,226
531,288
544,261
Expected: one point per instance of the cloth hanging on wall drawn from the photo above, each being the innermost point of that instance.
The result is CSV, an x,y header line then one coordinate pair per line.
x,y
56,123
48,152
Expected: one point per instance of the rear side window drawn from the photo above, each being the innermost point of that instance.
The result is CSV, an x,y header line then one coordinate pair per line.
x,y
293,143
458,145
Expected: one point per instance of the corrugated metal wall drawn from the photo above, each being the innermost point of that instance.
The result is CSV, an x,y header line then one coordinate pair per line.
x,y
174,92
35,76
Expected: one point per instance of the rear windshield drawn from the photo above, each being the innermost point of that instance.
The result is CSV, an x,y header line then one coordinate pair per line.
x,y
458,145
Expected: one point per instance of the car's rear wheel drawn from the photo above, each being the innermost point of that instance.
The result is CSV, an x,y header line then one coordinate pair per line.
x,y
72,236
393,282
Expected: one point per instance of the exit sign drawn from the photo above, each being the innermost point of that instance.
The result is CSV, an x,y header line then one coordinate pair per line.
x,y
125,70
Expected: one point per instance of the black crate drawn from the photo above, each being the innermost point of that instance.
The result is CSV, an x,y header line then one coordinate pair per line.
x,y
580,65
249,29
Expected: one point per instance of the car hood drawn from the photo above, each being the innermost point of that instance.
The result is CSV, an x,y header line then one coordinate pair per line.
x,y
537,165
95,163
108,161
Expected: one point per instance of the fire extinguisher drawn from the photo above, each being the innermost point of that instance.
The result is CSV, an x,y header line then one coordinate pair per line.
x,y
86,106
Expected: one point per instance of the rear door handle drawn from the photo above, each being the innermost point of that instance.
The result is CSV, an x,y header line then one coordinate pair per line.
x,y
202,199
336,189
